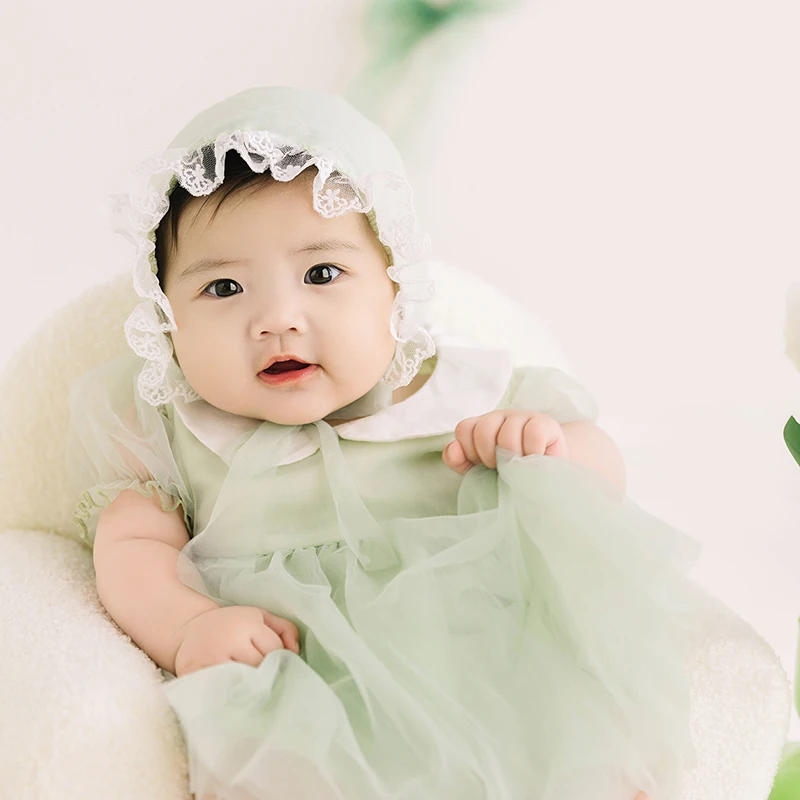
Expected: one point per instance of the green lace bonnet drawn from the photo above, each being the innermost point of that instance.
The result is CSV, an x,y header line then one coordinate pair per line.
x,y
284,131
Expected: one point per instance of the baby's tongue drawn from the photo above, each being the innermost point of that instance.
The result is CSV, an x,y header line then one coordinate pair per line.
x,y
286,366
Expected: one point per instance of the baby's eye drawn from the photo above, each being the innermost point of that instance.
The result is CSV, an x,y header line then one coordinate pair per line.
x,y
224,287
322,273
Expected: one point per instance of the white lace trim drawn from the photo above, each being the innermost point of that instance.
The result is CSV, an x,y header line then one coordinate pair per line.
x,y
200,171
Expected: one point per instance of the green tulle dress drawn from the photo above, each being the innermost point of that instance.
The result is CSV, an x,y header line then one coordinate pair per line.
x,y
511,635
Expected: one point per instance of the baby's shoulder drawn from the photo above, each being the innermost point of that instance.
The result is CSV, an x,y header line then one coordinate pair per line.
x,y
549,390
116,376
528,379
107,394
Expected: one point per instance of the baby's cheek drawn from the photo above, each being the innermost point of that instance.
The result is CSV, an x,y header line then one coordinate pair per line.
x,y
367,323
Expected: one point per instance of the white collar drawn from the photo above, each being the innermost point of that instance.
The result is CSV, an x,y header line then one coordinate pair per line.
x,y
466,382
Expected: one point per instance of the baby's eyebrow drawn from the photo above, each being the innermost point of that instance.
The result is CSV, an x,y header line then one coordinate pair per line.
x,y
203,265
327,244
209,265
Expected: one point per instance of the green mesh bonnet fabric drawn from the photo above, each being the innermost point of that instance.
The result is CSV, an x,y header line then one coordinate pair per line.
x,y
284,131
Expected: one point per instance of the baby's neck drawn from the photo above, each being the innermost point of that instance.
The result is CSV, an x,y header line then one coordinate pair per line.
x,y
403,393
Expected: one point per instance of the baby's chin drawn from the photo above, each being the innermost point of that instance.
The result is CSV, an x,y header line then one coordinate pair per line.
x,y
292,419
303,407
290,413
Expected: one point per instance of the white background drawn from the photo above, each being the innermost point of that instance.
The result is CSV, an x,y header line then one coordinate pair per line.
x,y
628,170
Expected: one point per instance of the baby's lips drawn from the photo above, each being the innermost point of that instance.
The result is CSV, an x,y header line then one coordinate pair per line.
x,y
292,361
286,366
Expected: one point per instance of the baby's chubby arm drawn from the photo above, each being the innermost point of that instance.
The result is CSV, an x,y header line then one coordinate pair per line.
x,y
528,433
136,552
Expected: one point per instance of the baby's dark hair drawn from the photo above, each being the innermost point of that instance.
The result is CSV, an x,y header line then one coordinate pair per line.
x,y
239,177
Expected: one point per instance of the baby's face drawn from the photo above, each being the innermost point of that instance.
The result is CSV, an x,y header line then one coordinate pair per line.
x,y
269,278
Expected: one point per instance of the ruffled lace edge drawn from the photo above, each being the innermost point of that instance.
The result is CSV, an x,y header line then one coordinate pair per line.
x,y
385,197
100,497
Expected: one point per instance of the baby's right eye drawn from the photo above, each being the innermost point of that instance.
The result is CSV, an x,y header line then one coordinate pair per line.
x,y
224,287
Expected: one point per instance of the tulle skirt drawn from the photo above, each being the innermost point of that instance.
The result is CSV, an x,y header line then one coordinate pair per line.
x,y
528,647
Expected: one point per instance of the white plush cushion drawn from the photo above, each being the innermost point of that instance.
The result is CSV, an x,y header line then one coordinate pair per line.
x,y
81,713
83,717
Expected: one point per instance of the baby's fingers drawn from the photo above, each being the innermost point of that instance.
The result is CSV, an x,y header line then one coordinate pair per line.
x,y
465,436
266,641
485,437
544,436
509,436
287,631
247,653
454,457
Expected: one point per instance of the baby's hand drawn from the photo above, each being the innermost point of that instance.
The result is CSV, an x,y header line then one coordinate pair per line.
x,y
232,633
524,433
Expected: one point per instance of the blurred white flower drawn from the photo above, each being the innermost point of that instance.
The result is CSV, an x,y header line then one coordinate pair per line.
x,y
792,325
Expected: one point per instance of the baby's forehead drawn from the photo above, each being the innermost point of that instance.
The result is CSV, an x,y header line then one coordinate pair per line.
x,y
264,201
277,219
224,200
249,196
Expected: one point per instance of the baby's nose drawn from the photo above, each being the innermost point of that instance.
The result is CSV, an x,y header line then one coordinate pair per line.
x,y
279,316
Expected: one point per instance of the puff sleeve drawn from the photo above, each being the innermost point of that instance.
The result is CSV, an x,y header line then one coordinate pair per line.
x,y
117,441
550,391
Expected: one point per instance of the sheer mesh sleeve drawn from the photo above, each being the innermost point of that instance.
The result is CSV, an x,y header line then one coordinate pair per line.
x,y
117,441
550,391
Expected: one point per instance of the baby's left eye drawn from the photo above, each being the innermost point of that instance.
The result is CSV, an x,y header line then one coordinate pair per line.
x,y
321,274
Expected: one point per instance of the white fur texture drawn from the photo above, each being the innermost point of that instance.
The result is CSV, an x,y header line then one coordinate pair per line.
x,y
81,712
83,717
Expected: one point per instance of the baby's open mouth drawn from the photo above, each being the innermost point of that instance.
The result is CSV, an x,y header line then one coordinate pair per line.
x,y
286,366
288,371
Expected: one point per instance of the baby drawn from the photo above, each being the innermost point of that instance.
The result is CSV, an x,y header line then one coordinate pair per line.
x,y
380,564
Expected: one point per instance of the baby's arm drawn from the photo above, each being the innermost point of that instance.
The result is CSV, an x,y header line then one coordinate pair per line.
x,y
136,552
135,557
587,444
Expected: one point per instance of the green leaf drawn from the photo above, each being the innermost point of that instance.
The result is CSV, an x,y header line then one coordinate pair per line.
x,y
791,435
